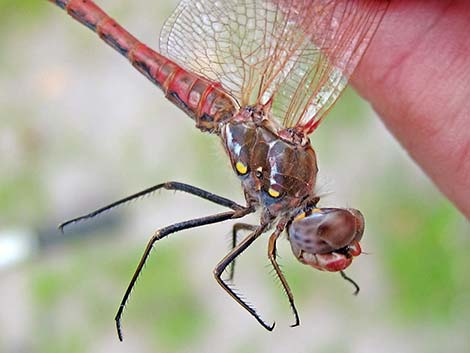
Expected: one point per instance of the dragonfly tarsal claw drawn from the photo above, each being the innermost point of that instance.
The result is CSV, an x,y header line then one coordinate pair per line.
x,y
296,323
350,280
270,328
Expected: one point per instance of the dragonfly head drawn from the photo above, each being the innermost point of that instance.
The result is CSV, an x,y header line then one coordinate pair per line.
x,y
326,238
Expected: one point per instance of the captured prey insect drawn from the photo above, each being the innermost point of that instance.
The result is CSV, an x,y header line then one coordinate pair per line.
x,y
261,75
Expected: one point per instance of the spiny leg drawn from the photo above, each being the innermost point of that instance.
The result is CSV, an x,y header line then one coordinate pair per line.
x,y
350,280
219,269
171,185
162,233
235,229
272,257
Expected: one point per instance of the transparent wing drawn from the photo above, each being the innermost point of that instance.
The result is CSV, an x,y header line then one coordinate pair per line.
x,y
294,56
341,30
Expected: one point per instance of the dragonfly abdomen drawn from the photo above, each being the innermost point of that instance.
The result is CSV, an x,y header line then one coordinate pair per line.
x,y
204,101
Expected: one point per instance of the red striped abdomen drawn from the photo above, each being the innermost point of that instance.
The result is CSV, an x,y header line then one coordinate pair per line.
x,y
205,101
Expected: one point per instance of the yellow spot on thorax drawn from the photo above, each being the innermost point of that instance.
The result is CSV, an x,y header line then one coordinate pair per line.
x,y
273,193
241,168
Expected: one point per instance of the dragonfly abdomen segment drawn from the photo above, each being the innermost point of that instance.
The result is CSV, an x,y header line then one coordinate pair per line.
x,y
204,101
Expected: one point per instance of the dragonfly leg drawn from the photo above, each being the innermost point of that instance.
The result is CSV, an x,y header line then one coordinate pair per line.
x,y
162,233
235,229
272,257
350,280
170,185
219,269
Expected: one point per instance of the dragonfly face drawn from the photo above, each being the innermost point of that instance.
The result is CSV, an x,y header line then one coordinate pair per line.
x,y
326,238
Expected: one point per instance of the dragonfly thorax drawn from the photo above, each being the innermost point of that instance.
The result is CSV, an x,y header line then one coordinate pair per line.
x,y
277,166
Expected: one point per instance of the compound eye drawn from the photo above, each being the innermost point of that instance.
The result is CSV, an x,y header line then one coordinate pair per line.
x,y
325,230
241,168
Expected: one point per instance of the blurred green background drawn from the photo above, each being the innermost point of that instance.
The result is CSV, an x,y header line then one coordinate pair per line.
x,y
79,128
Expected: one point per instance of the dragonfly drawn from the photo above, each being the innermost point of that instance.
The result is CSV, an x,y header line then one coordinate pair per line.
x,y
261,75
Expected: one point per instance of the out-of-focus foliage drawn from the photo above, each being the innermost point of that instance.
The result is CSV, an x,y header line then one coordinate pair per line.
x,y
24,10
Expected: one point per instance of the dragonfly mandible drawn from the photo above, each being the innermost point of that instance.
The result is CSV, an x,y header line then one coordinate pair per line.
x,y
261,75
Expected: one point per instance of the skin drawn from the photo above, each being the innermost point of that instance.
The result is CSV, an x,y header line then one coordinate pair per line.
x,y
416,75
